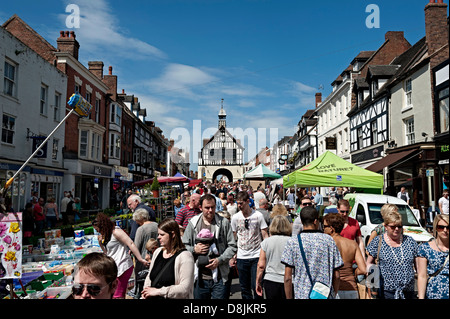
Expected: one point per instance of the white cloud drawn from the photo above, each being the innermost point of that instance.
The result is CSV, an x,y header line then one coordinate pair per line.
x,y
180,80
100,32
304,93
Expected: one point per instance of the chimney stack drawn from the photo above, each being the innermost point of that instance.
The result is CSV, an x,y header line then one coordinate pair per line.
x,y
318,99
436,28
67,42
96,68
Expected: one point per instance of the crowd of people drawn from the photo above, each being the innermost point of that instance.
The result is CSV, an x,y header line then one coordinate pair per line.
x,y
40,214
221,232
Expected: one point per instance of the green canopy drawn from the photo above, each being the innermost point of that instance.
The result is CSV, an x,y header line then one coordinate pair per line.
x,y
331,170
261,171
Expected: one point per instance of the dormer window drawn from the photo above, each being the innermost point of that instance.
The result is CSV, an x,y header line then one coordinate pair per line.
x,y
374,87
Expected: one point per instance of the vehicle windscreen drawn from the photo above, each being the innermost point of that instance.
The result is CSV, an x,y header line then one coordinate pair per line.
x,y
408,218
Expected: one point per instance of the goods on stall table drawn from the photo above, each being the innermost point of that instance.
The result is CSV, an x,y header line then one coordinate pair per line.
x,y
55,293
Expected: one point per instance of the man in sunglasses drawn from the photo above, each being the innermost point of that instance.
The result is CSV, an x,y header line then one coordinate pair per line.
x,y
297,226
351,228
250,228
95,277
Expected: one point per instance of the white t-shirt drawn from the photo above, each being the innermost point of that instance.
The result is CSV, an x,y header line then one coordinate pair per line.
x,y
444,202
249,239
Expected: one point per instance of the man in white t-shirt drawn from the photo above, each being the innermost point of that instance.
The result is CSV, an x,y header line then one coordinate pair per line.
x,y
250,228
443,203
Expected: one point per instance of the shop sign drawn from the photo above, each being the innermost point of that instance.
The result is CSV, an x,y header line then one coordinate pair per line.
x,y
330,143
95,170
123,171
37,141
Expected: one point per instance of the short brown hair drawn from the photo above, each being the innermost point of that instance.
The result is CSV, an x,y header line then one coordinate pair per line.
x,y
343,202
99,265
337,221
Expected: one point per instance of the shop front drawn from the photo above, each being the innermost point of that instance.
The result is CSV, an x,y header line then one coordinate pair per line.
x,y
90,182
45,182
443,155
95,185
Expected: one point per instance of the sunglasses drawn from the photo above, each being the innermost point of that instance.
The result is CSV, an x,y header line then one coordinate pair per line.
x,y
246,221
307,204
92,289
395,226
441,227
344,211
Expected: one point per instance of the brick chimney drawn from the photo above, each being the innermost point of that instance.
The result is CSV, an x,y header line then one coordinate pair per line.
x,y
96,68
67,42
111,81
436,29
318,99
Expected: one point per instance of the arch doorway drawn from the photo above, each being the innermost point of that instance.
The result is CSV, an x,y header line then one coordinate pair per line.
x,y
225,173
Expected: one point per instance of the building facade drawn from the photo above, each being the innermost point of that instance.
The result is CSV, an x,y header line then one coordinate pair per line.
x,y
33,93
222,154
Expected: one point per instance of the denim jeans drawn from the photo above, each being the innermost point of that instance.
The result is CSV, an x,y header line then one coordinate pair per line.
x,y
209,289
247,277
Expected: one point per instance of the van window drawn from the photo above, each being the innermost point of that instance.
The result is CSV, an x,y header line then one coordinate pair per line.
x,y
375,213
408,218
361,214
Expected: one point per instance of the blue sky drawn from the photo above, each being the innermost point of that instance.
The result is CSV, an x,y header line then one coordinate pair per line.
x,y
265,58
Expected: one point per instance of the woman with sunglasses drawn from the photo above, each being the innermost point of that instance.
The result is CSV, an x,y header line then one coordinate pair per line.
x,y
95,277
171,273
396,257
432,281
116,244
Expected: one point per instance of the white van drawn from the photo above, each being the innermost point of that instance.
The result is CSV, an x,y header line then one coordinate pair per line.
x,y
365,208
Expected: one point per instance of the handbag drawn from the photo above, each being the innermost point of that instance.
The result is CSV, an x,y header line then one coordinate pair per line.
x,y
319,290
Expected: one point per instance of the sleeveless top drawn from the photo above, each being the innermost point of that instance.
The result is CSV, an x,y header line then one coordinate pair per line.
x,y
347,277
119,252
51,211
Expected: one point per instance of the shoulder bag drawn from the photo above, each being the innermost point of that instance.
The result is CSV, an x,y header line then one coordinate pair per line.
x,y
319,290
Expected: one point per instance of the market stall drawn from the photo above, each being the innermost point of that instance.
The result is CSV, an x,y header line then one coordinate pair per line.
x,y
44,270
331,170
261,172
